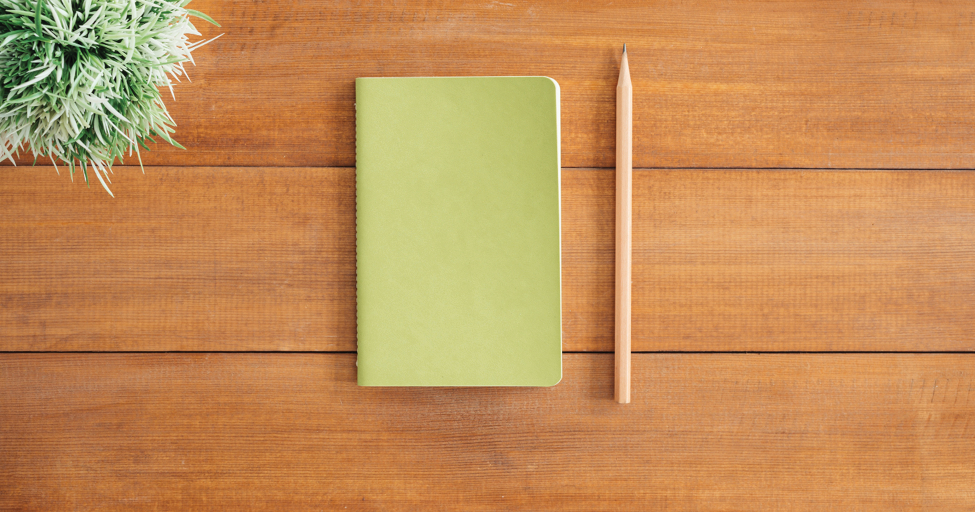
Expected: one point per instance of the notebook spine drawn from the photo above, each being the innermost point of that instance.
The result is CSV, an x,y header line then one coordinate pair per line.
x,y
355,106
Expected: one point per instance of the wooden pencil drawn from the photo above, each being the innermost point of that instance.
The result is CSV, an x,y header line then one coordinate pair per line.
x,y
624,227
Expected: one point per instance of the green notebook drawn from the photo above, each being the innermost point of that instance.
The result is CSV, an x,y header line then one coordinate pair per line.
x,y
458,236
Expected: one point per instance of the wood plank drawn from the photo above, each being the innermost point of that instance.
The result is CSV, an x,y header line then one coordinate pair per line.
x,y
741,84
292,431
181,259
264,259
777,260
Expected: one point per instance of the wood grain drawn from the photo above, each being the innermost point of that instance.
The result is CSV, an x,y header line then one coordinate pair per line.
x,y
292,431
181,259
737,84
804,261
264,259
250,257
776,260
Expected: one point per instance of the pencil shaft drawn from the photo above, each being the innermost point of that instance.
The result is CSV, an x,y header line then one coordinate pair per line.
x,y
624,228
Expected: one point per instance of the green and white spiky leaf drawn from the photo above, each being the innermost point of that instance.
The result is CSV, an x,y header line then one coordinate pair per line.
x,y
80,78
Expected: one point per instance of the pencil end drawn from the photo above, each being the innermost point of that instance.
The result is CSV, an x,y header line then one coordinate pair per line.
x,y
624,69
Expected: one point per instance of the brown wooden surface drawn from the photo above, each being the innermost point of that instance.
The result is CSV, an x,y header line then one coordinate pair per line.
x,y
184,259
264,259
244,242
292,431
716,84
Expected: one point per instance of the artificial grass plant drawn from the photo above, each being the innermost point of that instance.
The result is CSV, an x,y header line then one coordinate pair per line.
x,y
80,78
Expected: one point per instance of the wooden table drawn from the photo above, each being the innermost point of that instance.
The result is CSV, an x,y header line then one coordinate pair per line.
x,y
804,274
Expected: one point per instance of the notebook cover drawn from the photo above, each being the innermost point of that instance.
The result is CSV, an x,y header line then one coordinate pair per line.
x,y
458,236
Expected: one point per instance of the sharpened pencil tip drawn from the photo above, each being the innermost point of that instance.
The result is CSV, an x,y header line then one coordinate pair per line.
x,y
624,47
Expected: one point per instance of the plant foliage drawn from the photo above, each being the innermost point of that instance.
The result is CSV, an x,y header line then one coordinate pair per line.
x,y
80,78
